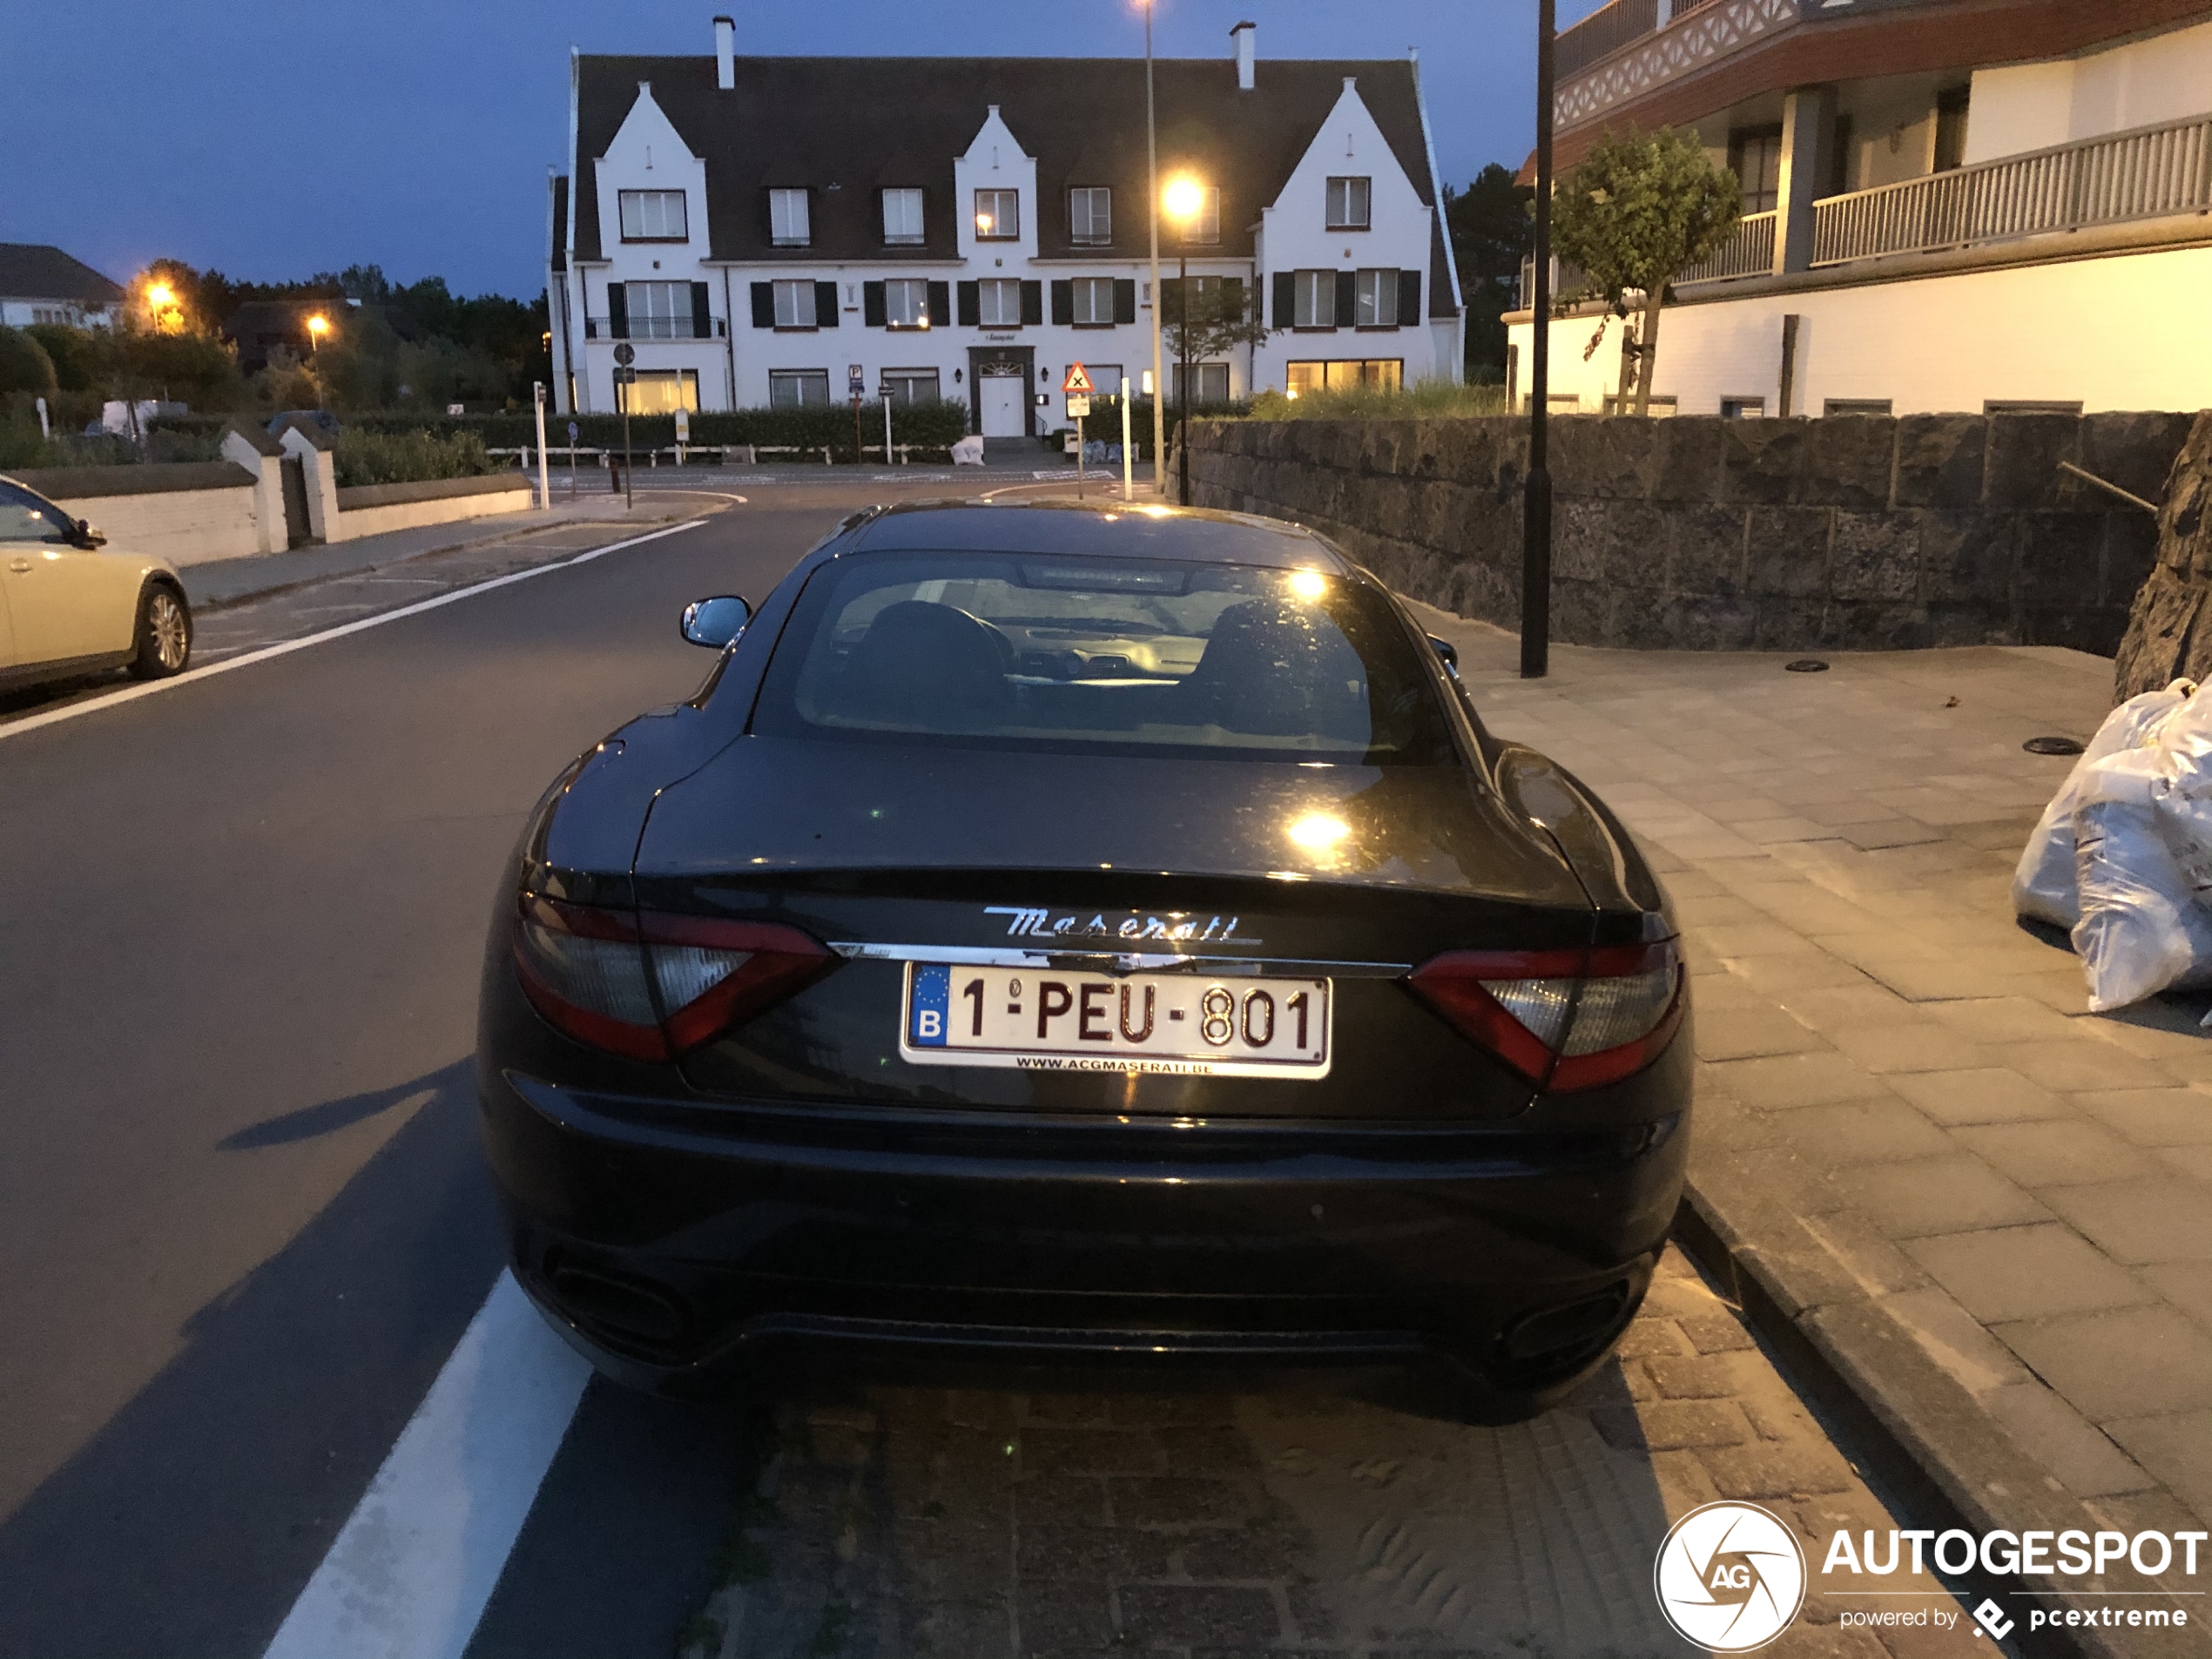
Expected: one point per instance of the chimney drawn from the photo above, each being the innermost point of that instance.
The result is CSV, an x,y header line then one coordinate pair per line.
x,y
1244,34
725,42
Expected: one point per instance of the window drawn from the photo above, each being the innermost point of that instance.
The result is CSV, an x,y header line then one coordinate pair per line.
x,y
661,391
999,303
25,518
1855,406
1951,127
1387,375
793,389
1315,302
906,303
1091,216
1375,300
1209,383
2029,406
998,215
1094,299
911,385
1756,156
1743,408
788,225
1087,656
795,304
660,310
902,216
1205,227
652,216
1348,204
1105,379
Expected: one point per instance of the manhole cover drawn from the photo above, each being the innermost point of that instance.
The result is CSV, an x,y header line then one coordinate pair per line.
x,y
1806,666
2052,746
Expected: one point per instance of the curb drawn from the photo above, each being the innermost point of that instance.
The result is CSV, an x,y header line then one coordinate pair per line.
x,y
1919,1430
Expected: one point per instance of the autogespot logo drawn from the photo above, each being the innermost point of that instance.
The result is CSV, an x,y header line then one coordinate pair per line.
x,y
1729,1577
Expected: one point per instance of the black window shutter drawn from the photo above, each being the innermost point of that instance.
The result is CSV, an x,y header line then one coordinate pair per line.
x,y
1124,299
1232,298
971,306
618,310
940,305
1170,302
873,311
1285,298
1409,299
764,305
702,313
1063,299
1032,302
1347,296
826,305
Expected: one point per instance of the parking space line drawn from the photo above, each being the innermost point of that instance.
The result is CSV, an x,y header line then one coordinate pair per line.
x,y
410,1575
194,676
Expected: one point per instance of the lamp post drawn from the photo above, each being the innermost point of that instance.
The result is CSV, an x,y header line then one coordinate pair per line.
x,y
1152,194
1184,198
318,325
1536,511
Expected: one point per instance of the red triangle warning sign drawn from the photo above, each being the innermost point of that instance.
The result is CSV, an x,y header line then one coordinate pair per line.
x,y
1077,381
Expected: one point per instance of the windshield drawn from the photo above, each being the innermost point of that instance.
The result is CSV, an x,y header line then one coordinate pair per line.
x,y
1039,651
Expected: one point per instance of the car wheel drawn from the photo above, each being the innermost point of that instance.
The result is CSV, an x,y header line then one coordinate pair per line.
x,y
164,642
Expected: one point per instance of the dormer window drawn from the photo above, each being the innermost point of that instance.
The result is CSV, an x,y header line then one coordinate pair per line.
x,y
902,217
652,216
998,215
1205,225
1348,204
788,223
1091,216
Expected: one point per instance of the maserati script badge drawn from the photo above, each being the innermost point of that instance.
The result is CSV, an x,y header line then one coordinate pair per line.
x,y
1176,927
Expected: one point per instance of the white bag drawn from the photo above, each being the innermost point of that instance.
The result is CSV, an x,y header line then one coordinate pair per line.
x,y
2045,885
2142,930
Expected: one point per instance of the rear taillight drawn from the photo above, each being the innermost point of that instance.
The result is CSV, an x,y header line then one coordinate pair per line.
x,y
1563,1019
648,985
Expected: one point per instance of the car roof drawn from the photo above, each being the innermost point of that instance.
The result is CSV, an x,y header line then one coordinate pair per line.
x,y
1109,529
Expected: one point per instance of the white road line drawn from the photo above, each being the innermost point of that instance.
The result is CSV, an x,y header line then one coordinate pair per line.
x,y
193,676
409,1574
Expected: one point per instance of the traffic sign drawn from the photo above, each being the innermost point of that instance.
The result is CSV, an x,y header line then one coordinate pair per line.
x,y
856,383
626,354
575,432
682,426
1078,406
626,377
1076,381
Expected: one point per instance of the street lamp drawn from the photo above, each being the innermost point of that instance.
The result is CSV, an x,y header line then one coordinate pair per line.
x,y
161,298
1152,218
1184,198
318,325
1536,509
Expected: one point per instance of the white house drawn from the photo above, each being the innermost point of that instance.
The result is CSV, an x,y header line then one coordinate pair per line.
x,y
39,283
760,230
1951,204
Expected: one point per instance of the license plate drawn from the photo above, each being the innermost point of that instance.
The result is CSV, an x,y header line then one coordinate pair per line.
x,y
1180,1024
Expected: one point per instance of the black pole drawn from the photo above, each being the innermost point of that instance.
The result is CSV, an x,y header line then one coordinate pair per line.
x,y
628,460
1536,520
1183,368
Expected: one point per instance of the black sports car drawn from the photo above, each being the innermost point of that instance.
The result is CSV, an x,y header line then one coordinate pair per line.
x,y
1077,931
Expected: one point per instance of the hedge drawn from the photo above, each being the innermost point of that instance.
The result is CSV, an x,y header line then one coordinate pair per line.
x,y
365,457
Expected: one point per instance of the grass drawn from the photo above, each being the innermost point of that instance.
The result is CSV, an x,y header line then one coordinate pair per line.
x,y
1429,401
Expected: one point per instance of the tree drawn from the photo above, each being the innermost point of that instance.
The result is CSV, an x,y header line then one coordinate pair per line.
x,y
1637,210
1214,325
1491,235
24,365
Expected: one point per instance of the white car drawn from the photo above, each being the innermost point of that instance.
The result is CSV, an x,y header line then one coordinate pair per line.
x,y
70,605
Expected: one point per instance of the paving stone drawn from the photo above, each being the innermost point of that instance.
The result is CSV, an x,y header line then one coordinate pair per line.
x,y
2057,1152
2025,1272
1797,1080
2177,1448
2064,1441
1060,1501
1078,1553
2186,1284
1939,1195
1910,1048
1955,1340
1867,1253
2141,1221
2170,1117
1233,1551
1863,1132
2128,1362
1746,1033
1672,1425
1706,1377
1982,1095
1188,1614
1716,1332
1862,1007
2193,1162
2082,1064
1773,1469
1649,1339
1176,1500
1078,1451
1206,1451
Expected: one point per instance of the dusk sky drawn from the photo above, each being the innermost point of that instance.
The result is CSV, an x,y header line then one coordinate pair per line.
x,y
274,140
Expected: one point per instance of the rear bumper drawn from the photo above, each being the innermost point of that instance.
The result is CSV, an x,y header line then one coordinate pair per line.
x,y
672,1241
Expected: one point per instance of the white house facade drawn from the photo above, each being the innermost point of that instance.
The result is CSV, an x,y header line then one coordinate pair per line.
x,y
760,231
2014,213
41,283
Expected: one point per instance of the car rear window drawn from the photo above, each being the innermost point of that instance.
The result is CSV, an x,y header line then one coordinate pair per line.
x,y
1048,652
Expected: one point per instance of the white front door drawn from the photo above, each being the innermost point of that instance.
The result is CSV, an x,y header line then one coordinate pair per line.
x,y
1002,411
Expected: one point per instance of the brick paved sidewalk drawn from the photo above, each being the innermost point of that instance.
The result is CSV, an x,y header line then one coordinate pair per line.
x,y
1887,1057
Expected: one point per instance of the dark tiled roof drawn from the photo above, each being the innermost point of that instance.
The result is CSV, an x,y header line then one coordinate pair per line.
x,y
846,127
35,271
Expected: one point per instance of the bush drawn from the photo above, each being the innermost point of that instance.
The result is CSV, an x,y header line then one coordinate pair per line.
x,y
1431,400
365,457
24,365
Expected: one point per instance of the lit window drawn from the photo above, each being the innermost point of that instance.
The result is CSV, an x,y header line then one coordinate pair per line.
x,y
1205,225
795,304
998,215
902,216
906,303
1091,216
998,301
1375,298
1384,374
660,391
1314,304
788,225
1094,298
1348,204
652,215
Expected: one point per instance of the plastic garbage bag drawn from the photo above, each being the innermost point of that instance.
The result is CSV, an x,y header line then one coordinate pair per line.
x,y
2045,885
2142,930
968,452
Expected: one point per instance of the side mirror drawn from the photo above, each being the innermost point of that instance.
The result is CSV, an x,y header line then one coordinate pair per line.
x,y
1447,650
88,535
714,623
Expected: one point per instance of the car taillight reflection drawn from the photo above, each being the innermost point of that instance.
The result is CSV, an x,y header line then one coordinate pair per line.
x,y
1563,1019
648,985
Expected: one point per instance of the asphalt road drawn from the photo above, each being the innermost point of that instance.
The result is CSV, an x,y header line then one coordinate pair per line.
x,y
244,1225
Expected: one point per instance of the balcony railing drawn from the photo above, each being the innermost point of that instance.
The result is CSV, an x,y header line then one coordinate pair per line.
x,y
637,327
1603,32
1748,252
2145,173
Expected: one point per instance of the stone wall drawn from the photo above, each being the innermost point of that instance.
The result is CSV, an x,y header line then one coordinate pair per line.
x,y
1703,534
